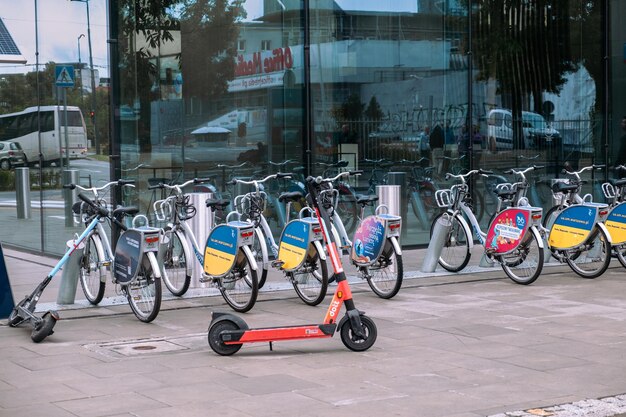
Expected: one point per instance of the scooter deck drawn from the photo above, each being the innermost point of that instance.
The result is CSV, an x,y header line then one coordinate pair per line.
x,y
274,334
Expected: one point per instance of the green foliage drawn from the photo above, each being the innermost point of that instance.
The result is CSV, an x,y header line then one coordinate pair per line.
x,y
373,111
350,110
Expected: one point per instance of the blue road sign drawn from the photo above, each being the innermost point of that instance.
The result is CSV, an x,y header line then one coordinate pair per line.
x,y
64,75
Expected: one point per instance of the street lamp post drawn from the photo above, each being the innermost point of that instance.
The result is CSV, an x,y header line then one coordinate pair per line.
x,y
80,72
93,81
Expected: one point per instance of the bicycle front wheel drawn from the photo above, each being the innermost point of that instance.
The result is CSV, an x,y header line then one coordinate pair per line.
x,y
525,263
240,287
455,254
311,280
385,275
261,254
144,294
347,210
621,255
175,264
91,282
593,258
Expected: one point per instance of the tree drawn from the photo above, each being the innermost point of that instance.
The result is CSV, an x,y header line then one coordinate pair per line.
x,y
209,33
524,45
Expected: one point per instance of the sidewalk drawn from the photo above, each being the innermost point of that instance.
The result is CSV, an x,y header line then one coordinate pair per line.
x,y
462,345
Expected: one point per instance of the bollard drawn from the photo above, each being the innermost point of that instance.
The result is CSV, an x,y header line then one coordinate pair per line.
x,y
201,225
389,195
70,176
22,192
69,278
399,178
485,262
437,240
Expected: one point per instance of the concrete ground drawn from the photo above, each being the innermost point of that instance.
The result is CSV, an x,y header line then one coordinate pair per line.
x,y
462,345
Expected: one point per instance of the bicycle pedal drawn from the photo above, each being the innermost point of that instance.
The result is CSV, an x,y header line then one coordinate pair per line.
x,y
278,264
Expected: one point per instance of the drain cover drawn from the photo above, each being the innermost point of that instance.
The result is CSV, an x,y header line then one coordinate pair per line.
x,y
140,348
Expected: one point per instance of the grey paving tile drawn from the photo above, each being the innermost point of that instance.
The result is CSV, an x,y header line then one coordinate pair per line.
x,y
106,405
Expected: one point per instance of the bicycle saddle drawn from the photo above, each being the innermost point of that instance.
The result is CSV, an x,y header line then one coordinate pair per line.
x,y
366,200
291,196
618,183
121,211
213,203
562,187
506,194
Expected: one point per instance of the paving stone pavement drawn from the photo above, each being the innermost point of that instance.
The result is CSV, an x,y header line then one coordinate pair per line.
x,y
461,345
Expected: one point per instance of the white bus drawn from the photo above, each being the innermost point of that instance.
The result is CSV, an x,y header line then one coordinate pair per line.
x,y
21,127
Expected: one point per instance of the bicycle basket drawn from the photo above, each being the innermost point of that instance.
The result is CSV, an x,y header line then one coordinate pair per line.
x,y
444,198
608,190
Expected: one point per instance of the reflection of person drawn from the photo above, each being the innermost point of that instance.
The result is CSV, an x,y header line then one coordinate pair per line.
x,y
254,155
347,135
449,133
436,146
424,142
620,158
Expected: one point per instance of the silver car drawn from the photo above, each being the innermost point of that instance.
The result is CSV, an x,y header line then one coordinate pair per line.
x,y
11,155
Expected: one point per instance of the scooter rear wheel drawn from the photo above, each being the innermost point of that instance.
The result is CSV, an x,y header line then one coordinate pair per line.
x,y
44,328
356,343
215,340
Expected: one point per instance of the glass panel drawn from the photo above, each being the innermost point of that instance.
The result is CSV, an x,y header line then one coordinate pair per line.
x,y
207,86
389,95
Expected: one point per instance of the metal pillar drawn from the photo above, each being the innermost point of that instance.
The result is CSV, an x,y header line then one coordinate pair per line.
x,y
22,192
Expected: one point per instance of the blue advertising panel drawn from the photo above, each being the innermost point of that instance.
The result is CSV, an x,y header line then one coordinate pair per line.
x,y
6,297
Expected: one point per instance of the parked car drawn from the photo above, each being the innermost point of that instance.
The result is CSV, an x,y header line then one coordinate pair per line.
x,y
538,134
11,155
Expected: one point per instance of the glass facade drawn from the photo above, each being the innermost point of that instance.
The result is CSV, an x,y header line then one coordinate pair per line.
x,y
405,91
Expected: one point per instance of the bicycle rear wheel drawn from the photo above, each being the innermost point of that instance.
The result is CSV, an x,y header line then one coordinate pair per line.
x,y
455,254
621,255
90,280
524,264
144,294
311,280
593,258
347,210
175,264
386,275
240,287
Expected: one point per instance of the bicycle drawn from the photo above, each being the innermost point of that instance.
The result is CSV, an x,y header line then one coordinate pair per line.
x,y
575,231
421,191
615,193
227,260
135,269
512,239
98,256
227,332
375,251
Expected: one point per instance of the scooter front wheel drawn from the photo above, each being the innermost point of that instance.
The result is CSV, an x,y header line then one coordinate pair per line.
x,y
358,343
44,328
215,339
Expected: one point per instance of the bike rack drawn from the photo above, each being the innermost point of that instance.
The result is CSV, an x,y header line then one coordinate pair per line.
x,y
71,271
437,240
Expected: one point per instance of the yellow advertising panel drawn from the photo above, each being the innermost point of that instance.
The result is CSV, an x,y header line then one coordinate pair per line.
x,y
220,250
572,227
294,244
616,224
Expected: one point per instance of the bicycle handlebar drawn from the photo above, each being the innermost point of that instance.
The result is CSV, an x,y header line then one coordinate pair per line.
x,y
523,171
342,163
463,177
225,166
179,186
99,209
278,175
587,168
320,179
130,183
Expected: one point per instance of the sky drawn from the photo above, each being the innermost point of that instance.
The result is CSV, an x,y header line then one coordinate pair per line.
x,y
61,22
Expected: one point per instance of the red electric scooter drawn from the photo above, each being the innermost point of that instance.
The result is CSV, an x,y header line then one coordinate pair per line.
x,y
228,332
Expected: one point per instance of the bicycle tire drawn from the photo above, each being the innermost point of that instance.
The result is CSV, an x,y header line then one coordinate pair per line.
x,y
144,294
261,255
456,246
621,255
386,275
549,217
91,281
347,210
175,263
240,287
524,265
310,281
586,263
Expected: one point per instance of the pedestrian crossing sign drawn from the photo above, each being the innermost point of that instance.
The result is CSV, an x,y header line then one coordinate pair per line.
x,y
64,75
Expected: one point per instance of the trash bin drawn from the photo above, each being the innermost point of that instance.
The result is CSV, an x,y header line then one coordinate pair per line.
x,y
69,278
389,195
22,192
70,176
201,225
